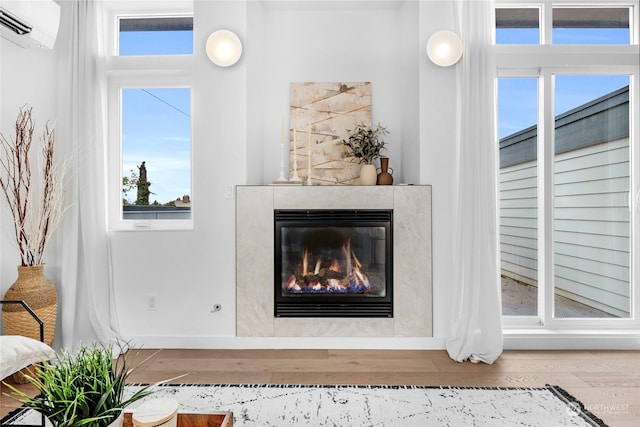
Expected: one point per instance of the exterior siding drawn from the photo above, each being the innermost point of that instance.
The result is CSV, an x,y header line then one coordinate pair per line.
x,y
519,222
591,206
592,220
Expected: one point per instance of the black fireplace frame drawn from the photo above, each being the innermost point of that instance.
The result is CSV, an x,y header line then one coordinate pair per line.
x,y
333,305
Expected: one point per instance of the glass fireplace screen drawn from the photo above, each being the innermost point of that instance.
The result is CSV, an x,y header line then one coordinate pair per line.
x,y
333,260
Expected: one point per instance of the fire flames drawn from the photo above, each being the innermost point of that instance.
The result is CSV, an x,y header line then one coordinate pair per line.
x,y
344,275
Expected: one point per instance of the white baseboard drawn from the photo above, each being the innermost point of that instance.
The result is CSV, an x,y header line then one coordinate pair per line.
x,y
244,343
532,339
522,339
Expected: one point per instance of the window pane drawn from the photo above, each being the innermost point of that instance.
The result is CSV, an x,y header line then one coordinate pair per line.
x,y
517,26
591,26
591,200
517,123
156,144
155,36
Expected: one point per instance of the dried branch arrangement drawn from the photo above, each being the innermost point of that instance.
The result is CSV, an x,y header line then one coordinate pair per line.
x,y
37,205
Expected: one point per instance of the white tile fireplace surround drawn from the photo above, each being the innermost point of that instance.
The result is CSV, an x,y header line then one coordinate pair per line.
x,y
412,268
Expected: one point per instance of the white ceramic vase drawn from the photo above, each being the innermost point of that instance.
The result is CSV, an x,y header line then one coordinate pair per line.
x,y
118,422
368,175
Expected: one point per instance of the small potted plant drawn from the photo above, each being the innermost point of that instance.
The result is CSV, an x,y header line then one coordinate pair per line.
x,y
85,389
364,146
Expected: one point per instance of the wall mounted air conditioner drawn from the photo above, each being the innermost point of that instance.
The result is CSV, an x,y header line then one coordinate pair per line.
x,y
30,23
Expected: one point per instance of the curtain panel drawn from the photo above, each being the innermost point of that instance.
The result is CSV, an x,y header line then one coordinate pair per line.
x,y
86,297
476,331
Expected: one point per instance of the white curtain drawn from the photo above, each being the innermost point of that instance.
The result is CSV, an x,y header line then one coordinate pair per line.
x,y
476,333
86,297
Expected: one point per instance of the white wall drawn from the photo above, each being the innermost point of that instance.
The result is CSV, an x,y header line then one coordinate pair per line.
x,y
437,155
237,114
189,271
302,43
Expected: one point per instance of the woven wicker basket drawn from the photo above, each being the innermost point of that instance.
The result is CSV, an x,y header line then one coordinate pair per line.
x,y
40,294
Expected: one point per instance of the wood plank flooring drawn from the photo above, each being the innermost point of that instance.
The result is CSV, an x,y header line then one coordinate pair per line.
x,y
607,382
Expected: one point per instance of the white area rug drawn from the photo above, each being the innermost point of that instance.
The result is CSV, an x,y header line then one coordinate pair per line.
x,y
374,406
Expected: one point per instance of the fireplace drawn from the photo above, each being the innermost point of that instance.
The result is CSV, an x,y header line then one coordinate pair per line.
x,y
333,263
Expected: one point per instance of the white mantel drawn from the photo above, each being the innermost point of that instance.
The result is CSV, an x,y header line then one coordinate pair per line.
x,y
412,270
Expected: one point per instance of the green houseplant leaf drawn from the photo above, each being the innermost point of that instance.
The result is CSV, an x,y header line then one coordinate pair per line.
x,y
83,389
365,144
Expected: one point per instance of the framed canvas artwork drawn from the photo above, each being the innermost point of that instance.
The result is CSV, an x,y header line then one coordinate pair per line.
x,y
321,116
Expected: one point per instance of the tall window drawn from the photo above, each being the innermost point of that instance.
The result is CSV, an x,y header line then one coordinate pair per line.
x,y
518,119
150,117
568,172
156,153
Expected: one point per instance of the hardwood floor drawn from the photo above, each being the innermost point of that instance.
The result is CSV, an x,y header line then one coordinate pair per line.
x,y
607,382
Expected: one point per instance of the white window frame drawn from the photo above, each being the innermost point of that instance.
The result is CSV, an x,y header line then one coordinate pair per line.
x,y
545,61
144,71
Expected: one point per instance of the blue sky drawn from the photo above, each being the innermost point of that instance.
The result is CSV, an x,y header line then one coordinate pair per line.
x,y
564,36
156,43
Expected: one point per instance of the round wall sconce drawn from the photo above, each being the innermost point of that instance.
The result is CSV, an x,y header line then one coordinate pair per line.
x,y
224,48
445,48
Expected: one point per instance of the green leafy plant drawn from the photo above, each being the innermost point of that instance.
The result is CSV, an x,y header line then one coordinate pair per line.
x,y
83,390
365,143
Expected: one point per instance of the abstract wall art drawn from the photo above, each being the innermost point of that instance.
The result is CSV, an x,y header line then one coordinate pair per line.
x,y
321,116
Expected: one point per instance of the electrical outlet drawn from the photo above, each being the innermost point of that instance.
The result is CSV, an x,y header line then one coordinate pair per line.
x,y
152,303
228,192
